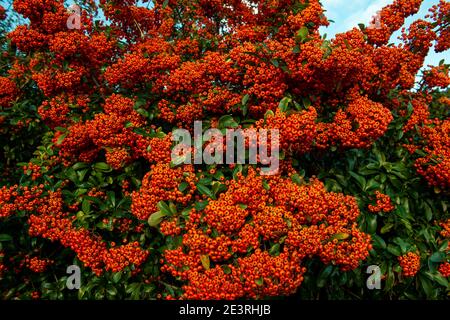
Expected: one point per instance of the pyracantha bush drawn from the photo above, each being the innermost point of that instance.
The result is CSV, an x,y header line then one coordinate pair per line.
x,y
89,101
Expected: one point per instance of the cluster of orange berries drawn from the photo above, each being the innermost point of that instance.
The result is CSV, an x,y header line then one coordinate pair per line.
x,y
383,203
112,131
363,122
162,184
297,130
225,249
420,114
440,14
8,92
437,77
435,166
55,112
445,232
391,18
51,222
37,265
34,170
419,38
116,259
67,59
410,264
16,198
445,101
118,157
144,64
444,269
170,227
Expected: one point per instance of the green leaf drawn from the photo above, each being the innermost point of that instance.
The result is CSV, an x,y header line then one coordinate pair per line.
x,y
427,287
302,33
112,198
164,208
437,278
172,208
205,261
204,190
156,218
284,103
340,236
394,250
275,249
296,179
323,276
444,246
226,269
143,112
360,179
259,281
245,99
111,290
61,139
275,62
269,113
386,228
5,237
371,223
390,279
372,185
79,165
117,276
199,206
183,186
306,102
437,257
428,213
244,109
378,241
227,121
102,167
86,206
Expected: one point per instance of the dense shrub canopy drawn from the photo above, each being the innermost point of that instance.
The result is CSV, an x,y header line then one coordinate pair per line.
x,y
86,125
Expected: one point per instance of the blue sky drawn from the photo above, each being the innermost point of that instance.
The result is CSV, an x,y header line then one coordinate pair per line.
x,y
348,13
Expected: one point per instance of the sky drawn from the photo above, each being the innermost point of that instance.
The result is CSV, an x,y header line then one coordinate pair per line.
x,y
348,13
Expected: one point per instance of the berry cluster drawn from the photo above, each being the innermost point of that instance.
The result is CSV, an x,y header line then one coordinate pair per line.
x,y
383,203
410,264
435,166
444,269
225,247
